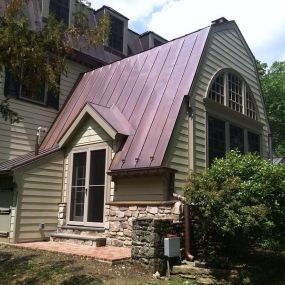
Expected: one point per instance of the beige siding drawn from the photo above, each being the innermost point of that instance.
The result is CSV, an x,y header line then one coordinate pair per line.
x,y
89,133
225,49
18,139
151,188
177,155
39,195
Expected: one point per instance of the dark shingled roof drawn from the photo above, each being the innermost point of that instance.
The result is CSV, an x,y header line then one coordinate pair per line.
x,y
148,90
23,160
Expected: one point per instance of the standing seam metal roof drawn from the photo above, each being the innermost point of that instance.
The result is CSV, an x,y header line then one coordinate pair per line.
x,y
148,89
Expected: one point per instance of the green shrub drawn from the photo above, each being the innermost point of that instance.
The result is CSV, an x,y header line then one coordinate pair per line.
x,y
238,202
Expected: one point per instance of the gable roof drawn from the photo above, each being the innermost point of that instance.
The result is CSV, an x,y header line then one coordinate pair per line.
x,y
109,118
148,90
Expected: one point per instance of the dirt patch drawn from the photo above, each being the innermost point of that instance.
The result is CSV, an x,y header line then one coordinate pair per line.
x,y
27,266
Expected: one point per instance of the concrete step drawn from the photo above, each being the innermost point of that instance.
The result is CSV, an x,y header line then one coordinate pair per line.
x,y
96,241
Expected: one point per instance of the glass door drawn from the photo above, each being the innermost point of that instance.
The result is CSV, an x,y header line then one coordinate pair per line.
x,y
88,188
96,189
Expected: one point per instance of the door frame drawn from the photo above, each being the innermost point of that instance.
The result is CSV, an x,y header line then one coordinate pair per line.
x,y
87,149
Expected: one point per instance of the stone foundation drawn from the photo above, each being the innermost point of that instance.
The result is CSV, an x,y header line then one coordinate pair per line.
x,y
120,217
148,240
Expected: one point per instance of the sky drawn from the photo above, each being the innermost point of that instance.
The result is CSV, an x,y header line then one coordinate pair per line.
x,y
262,22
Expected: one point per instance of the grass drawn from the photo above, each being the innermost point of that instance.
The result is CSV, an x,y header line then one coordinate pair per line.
x,y
21,266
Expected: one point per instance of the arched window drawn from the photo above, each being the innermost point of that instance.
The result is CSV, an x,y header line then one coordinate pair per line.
x,y
231,90
226,129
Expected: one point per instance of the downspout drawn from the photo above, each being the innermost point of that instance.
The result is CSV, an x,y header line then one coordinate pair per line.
x,y
187,233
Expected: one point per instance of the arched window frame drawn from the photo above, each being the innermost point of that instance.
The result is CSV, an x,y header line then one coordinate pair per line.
x,y
247,106
225,125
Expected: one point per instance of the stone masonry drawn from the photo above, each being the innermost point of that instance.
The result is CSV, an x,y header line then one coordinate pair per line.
x,y
120,217
148,240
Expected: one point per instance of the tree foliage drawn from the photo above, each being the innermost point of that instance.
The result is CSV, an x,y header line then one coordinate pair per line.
x,y
238,202
35,56
273,87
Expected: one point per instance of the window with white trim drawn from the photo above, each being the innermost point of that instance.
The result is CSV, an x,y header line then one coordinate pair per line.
x,y
229,89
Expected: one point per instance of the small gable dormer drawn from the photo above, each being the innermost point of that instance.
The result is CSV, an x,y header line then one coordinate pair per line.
x,y
150,39
118,37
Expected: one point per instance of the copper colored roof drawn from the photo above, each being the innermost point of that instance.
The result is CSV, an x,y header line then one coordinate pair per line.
x,y
147,89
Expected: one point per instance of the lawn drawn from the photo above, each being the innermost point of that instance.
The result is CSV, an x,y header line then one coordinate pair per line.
x,y
25,266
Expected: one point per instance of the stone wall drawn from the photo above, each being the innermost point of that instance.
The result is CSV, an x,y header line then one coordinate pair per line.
x,y
148,240
61,216
120,217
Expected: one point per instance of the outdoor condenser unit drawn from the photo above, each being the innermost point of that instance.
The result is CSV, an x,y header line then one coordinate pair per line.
x,y
172,247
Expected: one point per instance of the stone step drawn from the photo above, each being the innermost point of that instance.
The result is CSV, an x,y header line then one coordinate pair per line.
x,y
79,230
96,241
206,276
191,269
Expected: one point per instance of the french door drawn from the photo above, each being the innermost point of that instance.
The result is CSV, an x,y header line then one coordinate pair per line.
x,y
87,188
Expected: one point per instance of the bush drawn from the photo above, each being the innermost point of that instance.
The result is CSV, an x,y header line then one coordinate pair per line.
x,y
238,202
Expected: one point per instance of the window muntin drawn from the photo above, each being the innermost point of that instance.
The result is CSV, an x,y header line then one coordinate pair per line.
x,y
250,106
216,138
231,90
217,90
116,37
235,92
60,10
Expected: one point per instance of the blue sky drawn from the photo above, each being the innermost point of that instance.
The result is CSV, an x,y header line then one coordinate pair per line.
x,y
262,23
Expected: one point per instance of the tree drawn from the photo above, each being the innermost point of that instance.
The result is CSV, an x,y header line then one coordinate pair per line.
x,y
238,202
34,56
273,87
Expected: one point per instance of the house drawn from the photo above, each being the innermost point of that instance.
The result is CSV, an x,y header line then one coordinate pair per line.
x,y
19,139
129,134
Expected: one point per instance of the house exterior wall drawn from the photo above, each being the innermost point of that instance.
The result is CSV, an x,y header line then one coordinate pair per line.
x,y
150,188
225,49
19,139
39,189
88,134
177,155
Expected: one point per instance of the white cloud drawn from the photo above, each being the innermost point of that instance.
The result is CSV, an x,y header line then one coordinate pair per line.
x,y
261,22
132,9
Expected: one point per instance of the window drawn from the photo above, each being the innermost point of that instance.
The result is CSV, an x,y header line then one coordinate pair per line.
x,y
217,138
253,142
236,138
116,37
250,107
231,90
235,92
217,90
60,10
43,96
223,136
157,43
